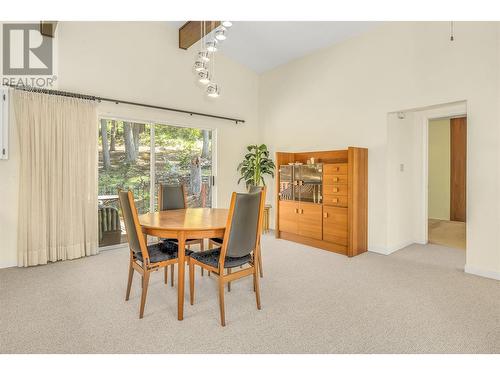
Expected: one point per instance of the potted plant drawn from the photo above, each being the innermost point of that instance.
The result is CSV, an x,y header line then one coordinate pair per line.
x,y
256,165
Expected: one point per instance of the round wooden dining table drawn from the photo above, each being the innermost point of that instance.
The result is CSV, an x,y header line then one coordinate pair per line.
x,y
184,224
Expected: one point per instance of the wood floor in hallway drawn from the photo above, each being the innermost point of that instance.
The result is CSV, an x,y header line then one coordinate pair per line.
x,y
447,233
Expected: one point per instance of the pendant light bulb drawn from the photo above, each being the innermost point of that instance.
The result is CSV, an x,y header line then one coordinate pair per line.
x,y
213,90
204,77
227,24
203,56
200,66
212,46
220,33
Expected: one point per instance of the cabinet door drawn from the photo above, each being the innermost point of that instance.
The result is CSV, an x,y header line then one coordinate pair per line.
x,y
335,225
288,216
310,223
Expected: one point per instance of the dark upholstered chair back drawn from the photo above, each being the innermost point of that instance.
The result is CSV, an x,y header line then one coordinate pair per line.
x,y
244,225
252,189
129,213
171,197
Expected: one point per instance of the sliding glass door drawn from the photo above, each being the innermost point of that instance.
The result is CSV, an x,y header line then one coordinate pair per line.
x,y
140,156
184,156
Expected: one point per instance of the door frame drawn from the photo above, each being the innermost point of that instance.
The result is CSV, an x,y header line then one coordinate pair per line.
x,y
445,111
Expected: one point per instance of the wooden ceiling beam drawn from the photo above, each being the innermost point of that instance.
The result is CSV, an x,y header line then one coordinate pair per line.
x,y
190,32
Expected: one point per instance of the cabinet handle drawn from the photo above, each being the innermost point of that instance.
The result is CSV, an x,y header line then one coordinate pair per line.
x,y
335,190
301,211
325,215
335,200
336,179
296,210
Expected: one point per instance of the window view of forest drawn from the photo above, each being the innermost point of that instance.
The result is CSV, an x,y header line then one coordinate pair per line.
x,y
182,155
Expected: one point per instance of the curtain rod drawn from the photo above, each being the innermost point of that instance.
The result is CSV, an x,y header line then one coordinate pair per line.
x,y
117,101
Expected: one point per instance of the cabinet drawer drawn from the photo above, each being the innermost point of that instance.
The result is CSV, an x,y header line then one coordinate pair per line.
x,y
335,190
310,220
335,200
288,220
332,179
335,225
335,169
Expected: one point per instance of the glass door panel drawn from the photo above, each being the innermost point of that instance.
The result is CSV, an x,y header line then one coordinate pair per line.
x,y
184,156
286,182
310,182
124,163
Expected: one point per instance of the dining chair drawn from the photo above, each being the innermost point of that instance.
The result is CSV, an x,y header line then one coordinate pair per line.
x,y
174,197
217,242
239,247
144,258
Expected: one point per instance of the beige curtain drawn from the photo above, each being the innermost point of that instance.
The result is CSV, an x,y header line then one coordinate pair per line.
x,y
58,177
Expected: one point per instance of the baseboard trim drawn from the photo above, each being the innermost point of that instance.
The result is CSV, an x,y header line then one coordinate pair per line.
x,y
391,249
7,265
378,250
123,245
495,275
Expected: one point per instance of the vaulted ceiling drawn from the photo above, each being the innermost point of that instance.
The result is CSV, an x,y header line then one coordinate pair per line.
x,y
264,45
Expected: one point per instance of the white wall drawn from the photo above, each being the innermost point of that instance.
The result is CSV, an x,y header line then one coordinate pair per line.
x,y
439,169
141,61
402,176
340,96
9,182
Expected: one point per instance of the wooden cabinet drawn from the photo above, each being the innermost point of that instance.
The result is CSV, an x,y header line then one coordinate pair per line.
x,y
339,222
335,225
309,218
288,218
301,218
335,184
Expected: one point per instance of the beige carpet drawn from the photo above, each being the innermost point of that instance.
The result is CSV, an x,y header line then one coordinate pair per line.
x,y
417,300
447,233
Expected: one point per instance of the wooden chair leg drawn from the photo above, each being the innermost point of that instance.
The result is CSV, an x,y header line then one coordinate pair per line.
x,y
254,288
166,275
191,282
229,282
172,273
257,290
210,247
261,271
221,301
130,276
202,247
145,284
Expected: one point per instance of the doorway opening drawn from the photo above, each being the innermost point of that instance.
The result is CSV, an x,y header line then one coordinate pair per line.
x,y
408,174
447,178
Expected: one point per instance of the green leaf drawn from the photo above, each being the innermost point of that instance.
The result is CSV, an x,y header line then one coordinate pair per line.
x,y
256,165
